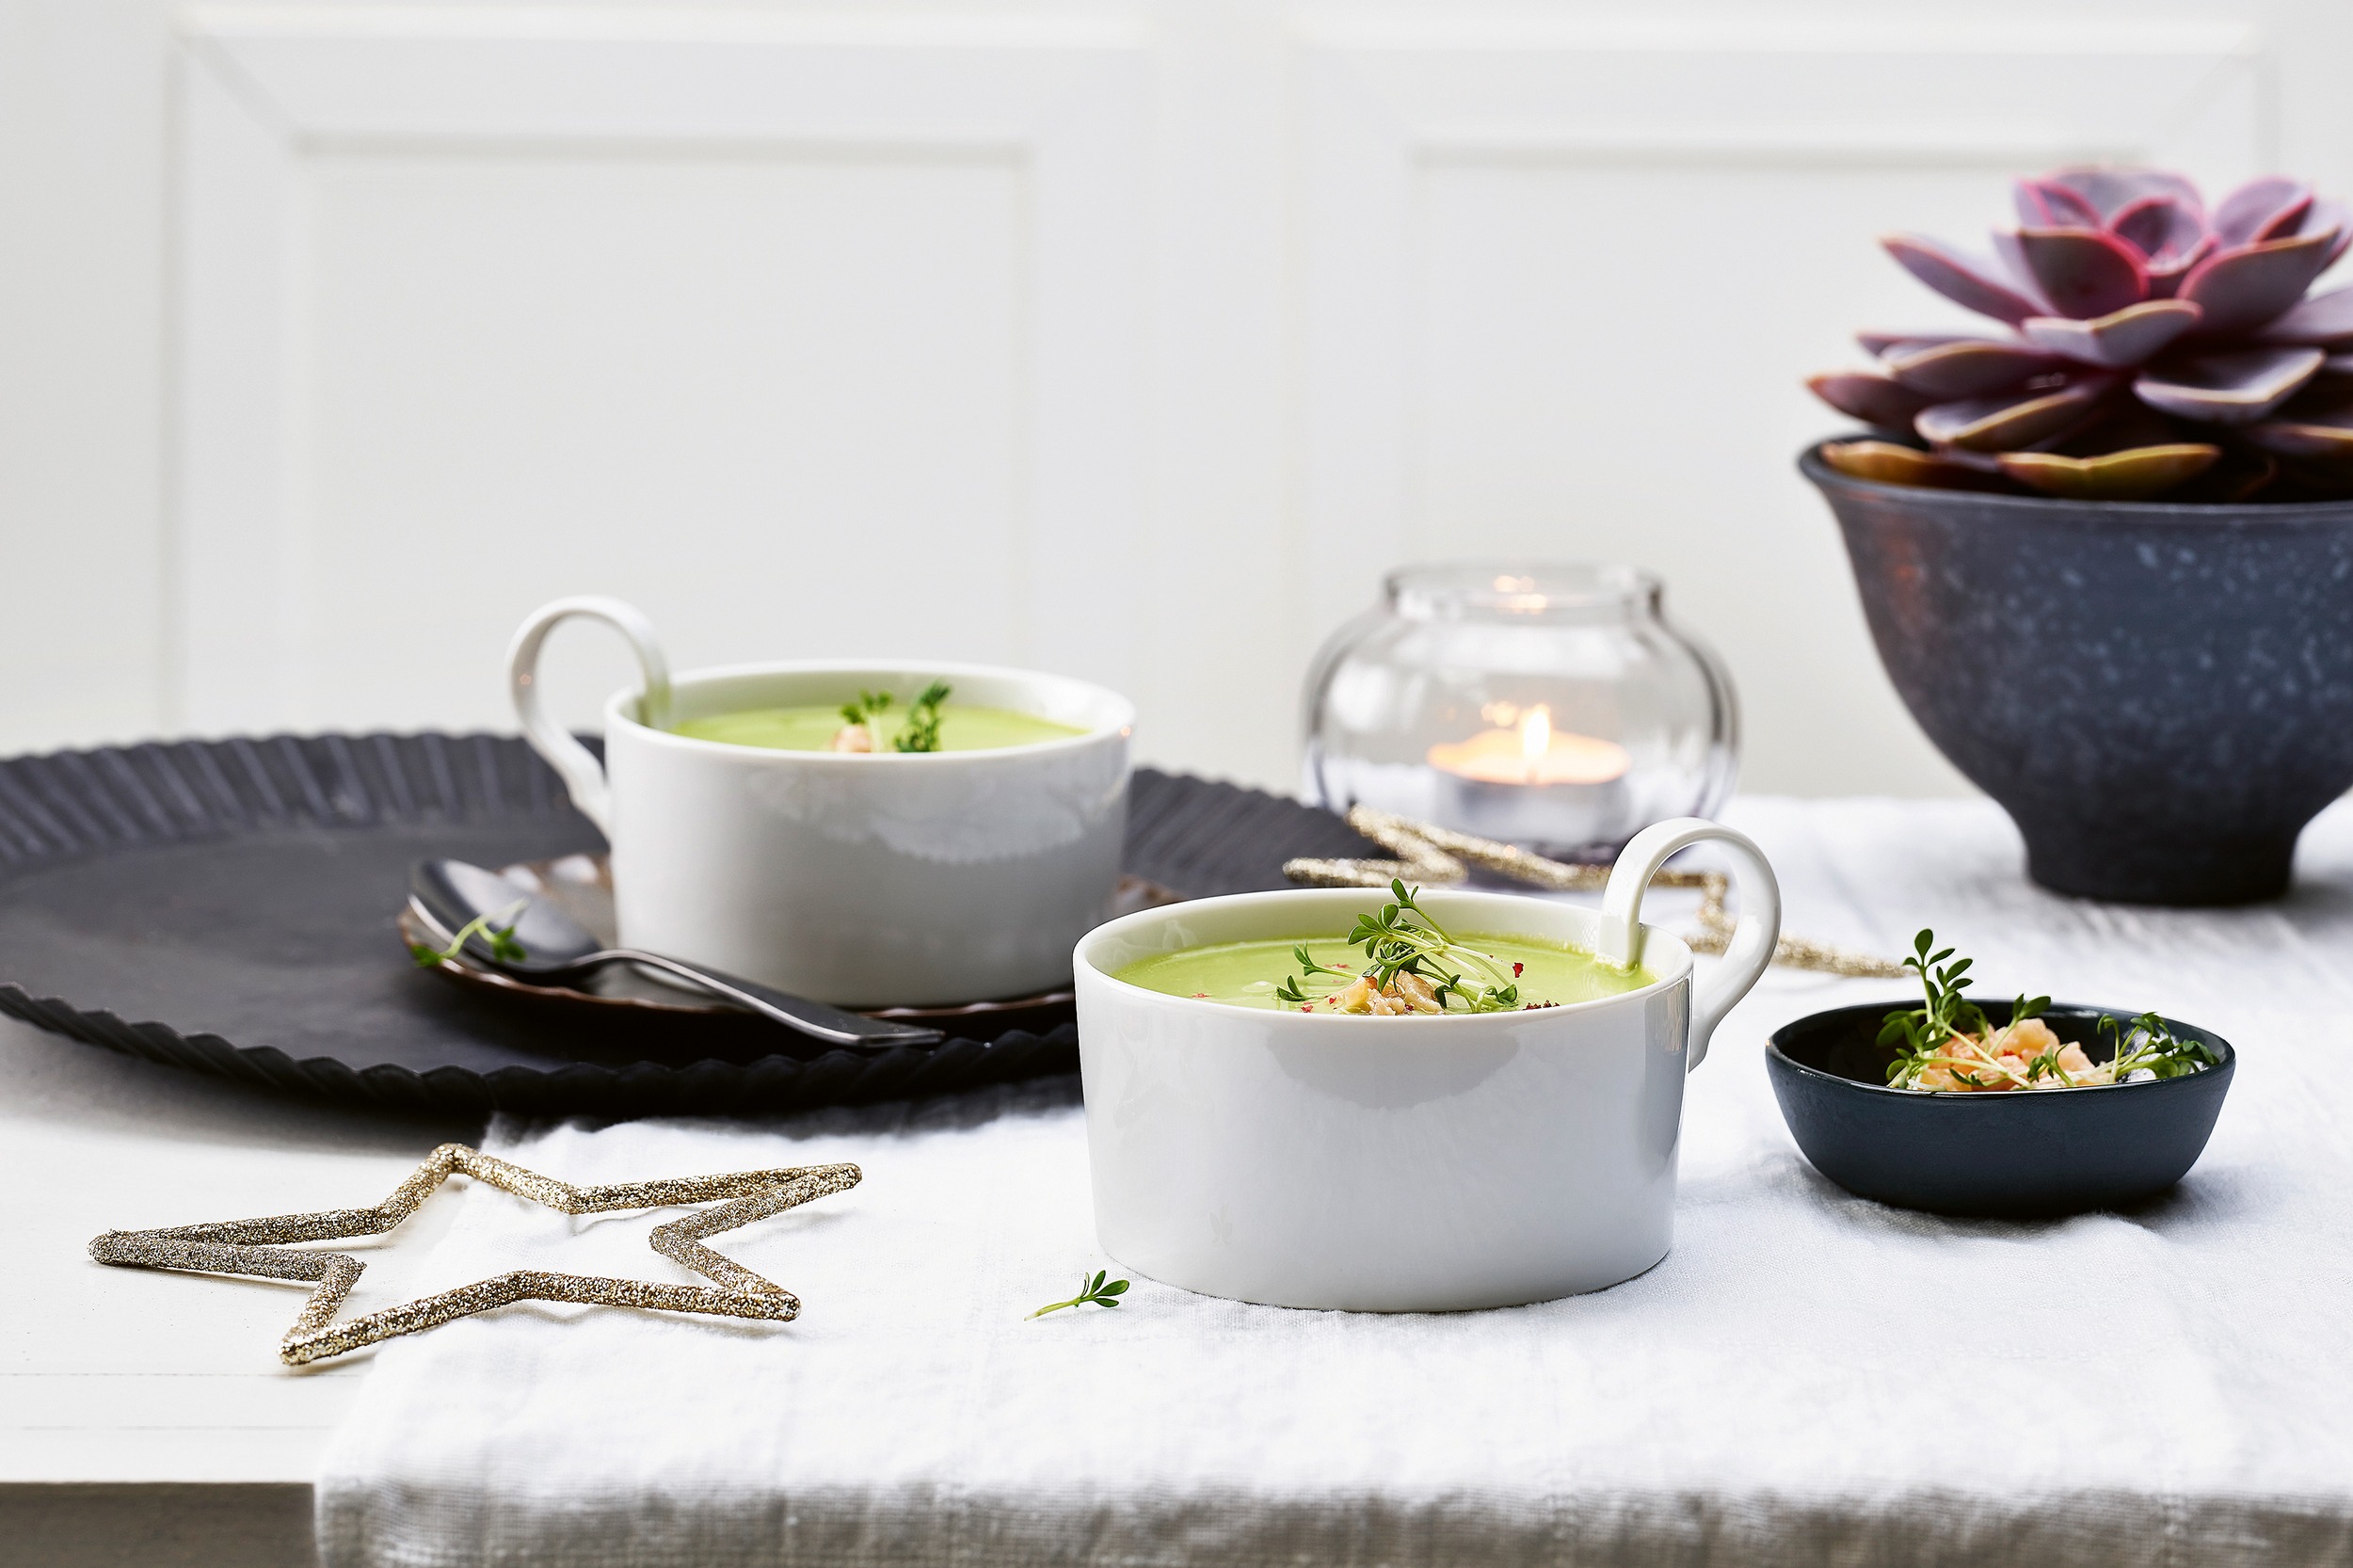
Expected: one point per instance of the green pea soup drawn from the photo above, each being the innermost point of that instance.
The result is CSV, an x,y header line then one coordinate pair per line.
x,y
1244,974
961,727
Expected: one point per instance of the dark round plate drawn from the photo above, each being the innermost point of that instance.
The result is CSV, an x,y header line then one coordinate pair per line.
x,y
228,906
2028,1153
582,886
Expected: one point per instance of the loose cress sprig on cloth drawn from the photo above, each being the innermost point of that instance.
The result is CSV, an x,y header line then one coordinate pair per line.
x,y
1093,1290
1949,1044
1415,967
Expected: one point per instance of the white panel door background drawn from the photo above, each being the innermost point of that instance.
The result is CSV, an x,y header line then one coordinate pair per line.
x,y
812,340
1130,340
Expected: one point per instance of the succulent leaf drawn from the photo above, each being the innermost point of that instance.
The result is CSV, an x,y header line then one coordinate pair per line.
x,y
2268,208
2311,440
2240,475
1877,344
2126,422
2133,474
2330,215
1969,368
2166,276
2010,259
2318,430
1886,463
2228,389
1978,283
2044,205
2083,272
2110,190
2119,339
2325,318
2007,421
2161,228
2244,288
1869,396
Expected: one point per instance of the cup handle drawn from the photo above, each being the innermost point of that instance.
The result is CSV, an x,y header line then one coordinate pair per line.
x,y
1752,940
583,774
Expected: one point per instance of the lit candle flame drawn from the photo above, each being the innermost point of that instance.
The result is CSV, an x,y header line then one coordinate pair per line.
x,y
1536,735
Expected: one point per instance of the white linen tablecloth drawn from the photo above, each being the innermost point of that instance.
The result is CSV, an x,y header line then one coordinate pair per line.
x,y
1807,1377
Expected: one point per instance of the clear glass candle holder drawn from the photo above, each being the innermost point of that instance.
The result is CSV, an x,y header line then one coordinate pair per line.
x,y
1553,707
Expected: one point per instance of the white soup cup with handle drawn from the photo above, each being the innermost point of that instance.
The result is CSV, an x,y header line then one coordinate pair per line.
x,y
1411,1164
860,879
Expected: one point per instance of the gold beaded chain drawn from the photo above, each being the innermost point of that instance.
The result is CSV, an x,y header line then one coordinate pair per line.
x,y
1427,853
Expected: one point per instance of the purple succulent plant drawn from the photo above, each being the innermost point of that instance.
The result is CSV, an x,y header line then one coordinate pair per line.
x,y
2153,349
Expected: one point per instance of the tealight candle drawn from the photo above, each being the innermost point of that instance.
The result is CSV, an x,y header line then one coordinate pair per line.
x,y
1526,782
1531,752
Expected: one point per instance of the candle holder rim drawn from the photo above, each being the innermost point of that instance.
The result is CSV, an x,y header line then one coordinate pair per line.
x,y
1521,587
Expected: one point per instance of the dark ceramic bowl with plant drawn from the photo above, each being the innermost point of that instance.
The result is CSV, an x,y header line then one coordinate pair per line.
x,y
2107,556
2014,1110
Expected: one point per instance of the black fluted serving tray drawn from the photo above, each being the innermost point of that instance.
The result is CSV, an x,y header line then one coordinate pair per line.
x,y
227,906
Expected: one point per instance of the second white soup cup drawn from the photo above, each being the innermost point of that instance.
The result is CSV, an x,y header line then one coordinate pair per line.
x,y
1417,1164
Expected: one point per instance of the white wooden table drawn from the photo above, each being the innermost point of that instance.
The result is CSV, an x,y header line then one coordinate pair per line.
x,y
144,1418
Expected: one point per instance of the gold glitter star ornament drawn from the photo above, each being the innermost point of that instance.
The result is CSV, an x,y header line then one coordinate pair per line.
x,y
255,1247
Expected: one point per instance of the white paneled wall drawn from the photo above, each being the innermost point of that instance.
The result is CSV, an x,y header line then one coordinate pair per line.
x,y
813,338
1561,273
1134,341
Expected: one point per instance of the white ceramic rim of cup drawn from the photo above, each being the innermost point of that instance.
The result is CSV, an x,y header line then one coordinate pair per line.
x,y
621,708
1677,956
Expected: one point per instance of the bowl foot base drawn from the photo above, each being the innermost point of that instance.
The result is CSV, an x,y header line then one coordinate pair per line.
x,y
2173,871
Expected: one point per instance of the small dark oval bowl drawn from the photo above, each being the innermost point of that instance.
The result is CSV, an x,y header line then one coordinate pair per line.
x,y
2032,1152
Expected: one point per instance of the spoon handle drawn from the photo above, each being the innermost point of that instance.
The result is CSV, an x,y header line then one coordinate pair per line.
x,y
813,1018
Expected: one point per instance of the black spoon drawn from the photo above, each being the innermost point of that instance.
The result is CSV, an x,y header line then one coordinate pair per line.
x,y
446,896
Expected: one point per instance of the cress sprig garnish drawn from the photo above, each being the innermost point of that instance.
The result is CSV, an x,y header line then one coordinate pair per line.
x,y
502,938
922,727
922,731
1925,1036
1403,940
2149,1042
867,708
1952,1032
1093,1290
